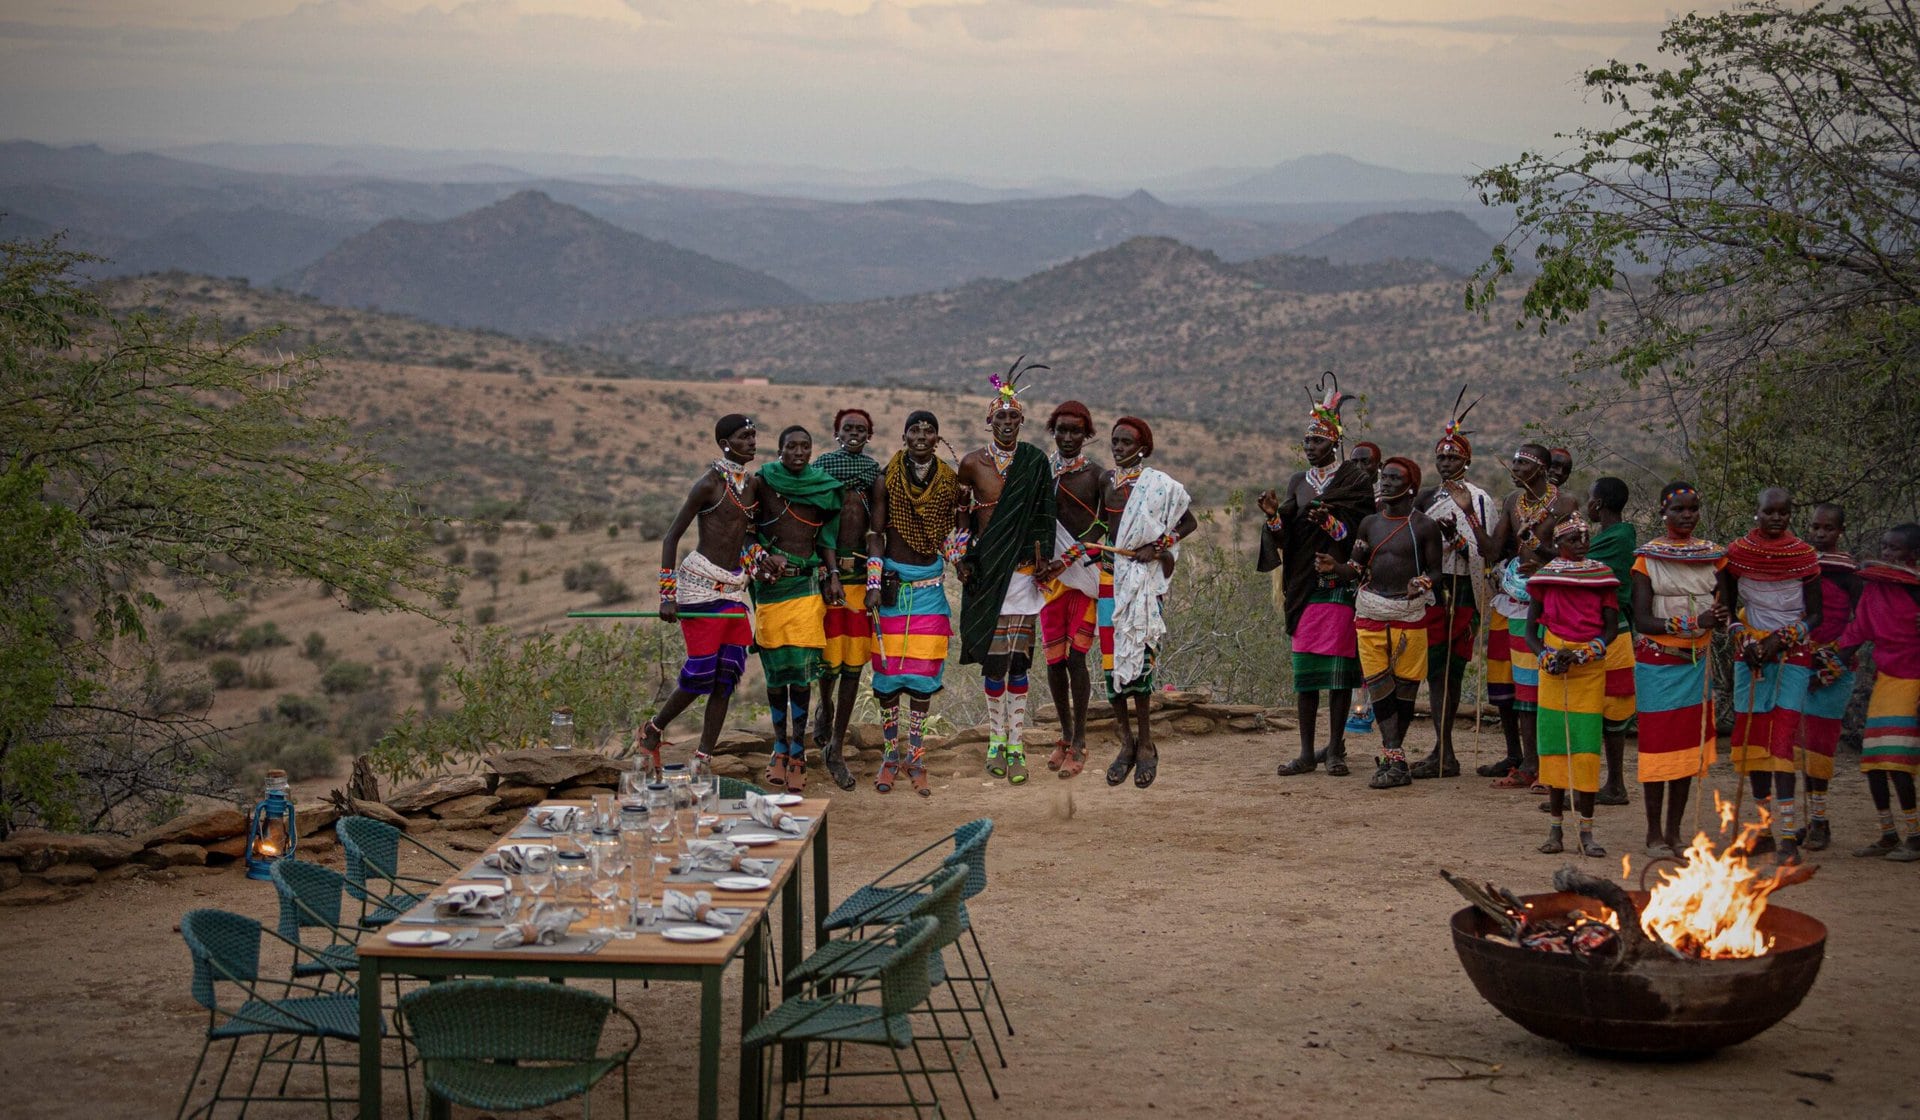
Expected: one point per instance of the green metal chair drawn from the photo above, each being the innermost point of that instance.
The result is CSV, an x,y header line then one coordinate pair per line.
x,y
225,948
855,959
310,897
820,1015
373,875
735,789
511,1045
887,900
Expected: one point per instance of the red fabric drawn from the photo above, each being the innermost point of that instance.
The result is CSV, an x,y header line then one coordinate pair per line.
x,y
1782,557
1455,622
1572,612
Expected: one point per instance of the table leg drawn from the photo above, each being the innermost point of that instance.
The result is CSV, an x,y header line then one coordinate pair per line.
x,y
370,1038
710,1041
793,1054
752,990
822,905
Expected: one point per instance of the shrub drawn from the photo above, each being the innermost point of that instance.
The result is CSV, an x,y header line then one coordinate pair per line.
x,y
265,635
457,554
315,647
611,590
346,677
227,672
583,576
450,594
486,564
545,531
485,614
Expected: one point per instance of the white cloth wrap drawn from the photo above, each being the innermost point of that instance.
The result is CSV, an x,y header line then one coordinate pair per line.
x,y
1155,506
1023,596
1083,575
703,581
1680,589
1383,608
1769,604
1445,508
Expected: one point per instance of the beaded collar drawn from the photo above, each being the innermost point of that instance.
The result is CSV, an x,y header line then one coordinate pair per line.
x,y
1692,550
734,473
1066,466
1002,460
1319,477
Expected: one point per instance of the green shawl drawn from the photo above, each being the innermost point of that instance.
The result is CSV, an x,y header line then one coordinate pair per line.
x,y
1022,519
1613,546
810,487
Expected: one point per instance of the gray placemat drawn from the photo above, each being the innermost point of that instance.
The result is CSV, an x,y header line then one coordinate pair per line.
x,y
573,944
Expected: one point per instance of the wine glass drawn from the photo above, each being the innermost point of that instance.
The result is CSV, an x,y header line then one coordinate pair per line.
x,y
700,783
605,887
536,870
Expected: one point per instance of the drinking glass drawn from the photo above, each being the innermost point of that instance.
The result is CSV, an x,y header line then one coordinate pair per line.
x,y
536,871
660,814
604,885
633,785
571,870
701,784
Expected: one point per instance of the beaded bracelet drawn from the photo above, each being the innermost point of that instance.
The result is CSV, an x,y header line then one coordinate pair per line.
x,y
1167,540
1598,647
1333,527
1074,554
1683,624
751,555
669,585
875,568
954,548
1792,634
1274,523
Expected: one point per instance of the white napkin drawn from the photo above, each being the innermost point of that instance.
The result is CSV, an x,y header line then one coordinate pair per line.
x,y
764,811
470,902
547,925
724,855
554,818
510,858
678,907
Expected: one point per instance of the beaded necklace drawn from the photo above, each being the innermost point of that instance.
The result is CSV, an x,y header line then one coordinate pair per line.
x,y
1066,466
1002,460
1319,477
1531,508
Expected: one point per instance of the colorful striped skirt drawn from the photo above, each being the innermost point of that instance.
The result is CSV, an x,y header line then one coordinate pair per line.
x,y
1326,654
1526,667
1571,729
911,654
716,647
1618,710
790,627
1069,621
1677,738
1499,664
1393,657
1103,617
1766,712
849,632
1820,725
1891,739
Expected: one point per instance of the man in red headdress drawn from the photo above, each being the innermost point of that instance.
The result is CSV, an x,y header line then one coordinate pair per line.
x,y
1072,582
1459,589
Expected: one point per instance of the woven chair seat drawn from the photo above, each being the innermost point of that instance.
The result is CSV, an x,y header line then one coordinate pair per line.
x,y
826,1021
328,960
313,1016
857,960
873,906
482,1084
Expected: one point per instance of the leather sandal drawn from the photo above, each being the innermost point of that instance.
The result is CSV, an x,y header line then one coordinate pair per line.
x,y
889,773
1515,779
918,776
1016,765
1075,763
777,767
1059,756
1122,764
796,773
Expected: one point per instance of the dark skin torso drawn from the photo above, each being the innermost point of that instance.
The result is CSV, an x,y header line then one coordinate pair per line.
x,y
722,519
1539,549
794,527
1396,550
983,482
854,517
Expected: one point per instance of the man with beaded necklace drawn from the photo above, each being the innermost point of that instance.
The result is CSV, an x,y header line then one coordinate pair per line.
x,y
711,583
849,630
1072,582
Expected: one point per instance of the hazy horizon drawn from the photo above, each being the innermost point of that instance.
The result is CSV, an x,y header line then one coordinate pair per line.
x,y
991,91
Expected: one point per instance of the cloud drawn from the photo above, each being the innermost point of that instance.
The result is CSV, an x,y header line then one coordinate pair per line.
x,y
1510,25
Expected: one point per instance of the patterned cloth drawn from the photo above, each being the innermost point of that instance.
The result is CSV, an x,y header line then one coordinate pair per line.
x,y
1393,654
1070,620
1326,655
1022,524
791,630
1571,728
1155,505
911,654
1677,737
1886,617
1012,634
849,633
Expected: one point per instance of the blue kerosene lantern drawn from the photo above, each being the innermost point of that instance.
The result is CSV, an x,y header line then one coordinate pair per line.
x,y
271,835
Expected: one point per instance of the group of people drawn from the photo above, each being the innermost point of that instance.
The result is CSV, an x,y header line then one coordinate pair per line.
x,y
1385,585
835,565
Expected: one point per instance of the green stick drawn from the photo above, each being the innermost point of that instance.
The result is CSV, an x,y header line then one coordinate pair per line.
x,y
645,614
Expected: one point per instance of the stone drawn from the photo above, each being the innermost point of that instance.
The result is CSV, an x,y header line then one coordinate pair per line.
x,y
866,736
1228,711
1180,698
546,768
1193,725
69,875
314,816
38,894
198,828
377,811
126,871
48,848
469,842
320,843
741,740
425,795
176,855
1043,713
732,766
605,776
1255,722
518,797
226,851
9,876
966,735
1042,737
580,793
466,808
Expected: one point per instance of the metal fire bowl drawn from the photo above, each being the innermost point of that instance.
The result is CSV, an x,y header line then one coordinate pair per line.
x,y
1646,1008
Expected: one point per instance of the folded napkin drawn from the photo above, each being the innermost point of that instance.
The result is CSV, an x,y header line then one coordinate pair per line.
x,y
764,811
470,902
545,926
724,855
511,858
554,818
678,907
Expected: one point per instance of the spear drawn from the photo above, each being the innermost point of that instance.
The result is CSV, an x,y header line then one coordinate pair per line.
x,y
647,614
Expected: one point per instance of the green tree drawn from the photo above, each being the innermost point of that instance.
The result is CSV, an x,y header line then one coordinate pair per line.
x,y
130,446
1740,245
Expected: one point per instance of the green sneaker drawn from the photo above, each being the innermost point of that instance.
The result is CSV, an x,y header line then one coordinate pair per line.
x,y
996,757
1016,764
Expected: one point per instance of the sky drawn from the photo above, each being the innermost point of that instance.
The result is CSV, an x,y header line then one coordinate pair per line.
x,y
993,90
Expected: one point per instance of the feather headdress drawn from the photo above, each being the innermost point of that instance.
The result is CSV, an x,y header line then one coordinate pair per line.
x,y
1007,390
1455,434
1323,419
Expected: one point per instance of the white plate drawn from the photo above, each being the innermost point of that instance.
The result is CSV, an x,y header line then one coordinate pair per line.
x,y
692,933
754,839
785,799
419,937
743,883
483,890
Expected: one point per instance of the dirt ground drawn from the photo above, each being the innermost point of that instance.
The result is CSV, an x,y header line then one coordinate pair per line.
x,y
1227,943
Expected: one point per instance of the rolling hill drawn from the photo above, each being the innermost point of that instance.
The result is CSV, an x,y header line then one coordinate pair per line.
x,y
531,266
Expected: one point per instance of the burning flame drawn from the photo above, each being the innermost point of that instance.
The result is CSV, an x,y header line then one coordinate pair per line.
x,y
1711,906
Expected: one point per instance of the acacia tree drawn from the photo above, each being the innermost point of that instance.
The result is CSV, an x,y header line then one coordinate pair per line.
x,y
133,448
1740,244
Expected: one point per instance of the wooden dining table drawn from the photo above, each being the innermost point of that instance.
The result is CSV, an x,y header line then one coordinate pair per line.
x,y
647,956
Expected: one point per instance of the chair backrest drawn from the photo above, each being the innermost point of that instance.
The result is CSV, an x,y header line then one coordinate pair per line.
x,y
309,896
505,1020
942,904
371,847
733,789
970,848
903,980
224,946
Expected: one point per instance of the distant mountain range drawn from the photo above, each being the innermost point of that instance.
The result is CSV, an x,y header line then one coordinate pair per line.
x,y
1153,325
528,265
151,212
